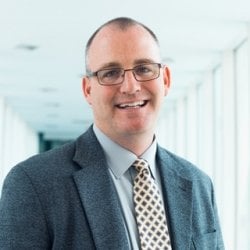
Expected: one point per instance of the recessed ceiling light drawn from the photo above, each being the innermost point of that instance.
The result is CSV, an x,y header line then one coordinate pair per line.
x,y
28,47
48,89
52,104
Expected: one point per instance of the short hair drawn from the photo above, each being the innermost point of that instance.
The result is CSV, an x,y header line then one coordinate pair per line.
x,y
122,23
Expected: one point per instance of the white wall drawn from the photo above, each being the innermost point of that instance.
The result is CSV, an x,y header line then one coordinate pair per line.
x,y
210,126
17,140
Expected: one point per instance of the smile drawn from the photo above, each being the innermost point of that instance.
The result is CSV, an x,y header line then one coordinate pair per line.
x,y
137,104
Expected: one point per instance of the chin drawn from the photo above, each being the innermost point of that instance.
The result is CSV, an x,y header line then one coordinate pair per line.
x,y
137,129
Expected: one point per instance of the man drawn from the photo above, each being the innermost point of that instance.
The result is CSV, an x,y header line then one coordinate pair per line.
x,y
84,195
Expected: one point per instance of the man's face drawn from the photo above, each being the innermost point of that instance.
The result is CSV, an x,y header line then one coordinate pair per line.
x,y
131,107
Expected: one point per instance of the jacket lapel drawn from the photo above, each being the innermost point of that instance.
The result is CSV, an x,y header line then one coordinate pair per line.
x,y
98,195
177,192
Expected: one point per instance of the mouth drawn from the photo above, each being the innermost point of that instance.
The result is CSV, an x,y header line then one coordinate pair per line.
x,y
132,105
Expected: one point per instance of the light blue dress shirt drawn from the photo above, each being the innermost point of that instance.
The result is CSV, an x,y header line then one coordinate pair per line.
x,y
119,161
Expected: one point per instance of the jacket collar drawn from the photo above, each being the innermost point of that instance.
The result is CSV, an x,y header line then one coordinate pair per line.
x,y
177,191
98,194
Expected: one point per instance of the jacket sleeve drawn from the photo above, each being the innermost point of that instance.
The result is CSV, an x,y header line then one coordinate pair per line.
x,y
22,221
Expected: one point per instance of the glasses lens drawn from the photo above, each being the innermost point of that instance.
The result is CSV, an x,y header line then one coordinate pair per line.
x,y
146,72
110,76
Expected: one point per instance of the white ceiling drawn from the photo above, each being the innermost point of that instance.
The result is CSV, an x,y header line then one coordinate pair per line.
x,y
42,50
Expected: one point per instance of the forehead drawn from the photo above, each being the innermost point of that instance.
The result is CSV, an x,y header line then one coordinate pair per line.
x,y
122,46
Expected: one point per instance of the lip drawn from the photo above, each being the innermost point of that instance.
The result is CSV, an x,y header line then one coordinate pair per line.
x,y
132,105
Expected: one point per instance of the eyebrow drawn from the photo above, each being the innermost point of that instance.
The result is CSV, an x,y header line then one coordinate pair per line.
x,y
119,65
110,65
144,60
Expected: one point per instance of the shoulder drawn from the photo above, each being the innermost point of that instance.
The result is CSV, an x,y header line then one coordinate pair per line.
x,y
180,166
175,169
42,168
55,162
51,159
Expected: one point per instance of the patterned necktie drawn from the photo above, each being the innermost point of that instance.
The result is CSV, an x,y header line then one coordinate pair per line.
x,y
150,215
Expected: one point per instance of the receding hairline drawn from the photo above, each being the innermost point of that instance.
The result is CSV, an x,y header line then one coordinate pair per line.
x,y
121,23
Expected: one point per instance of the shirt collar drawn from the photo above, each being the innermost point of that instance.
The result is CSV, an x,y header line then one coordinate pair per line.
x,y
120,159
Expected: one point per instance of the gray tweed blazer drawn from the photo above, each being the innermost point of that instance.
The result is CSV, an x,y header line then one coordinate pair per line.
x,y
65,199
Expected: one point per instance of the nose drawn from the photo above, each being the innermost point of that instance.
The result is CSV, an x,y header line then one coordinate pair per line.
x,y
130,85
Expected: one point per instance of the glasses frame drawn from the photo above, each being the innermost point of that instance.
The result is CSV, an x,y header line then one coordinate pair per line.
x,y
95,74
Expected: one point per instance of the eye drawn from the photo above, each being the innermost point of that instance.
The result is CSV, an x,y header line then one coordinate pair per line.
x,y
110,73
143,69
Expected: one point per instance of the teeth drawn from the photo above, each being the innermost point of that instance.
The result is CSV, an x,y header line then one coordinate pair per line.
x,y
132,104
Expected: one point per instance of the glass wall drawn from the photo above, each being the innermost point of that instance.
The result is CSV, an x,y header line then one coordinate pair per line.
x,y
210,126
17,140
242,142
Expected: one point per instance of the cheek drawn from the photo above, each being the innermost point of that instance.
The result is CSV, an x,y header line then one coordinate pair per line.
x,y
158,90
101,98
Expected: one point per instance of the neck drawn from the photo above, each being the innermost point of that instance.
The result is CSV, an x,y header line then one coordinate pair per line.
x,y
138,148
135,143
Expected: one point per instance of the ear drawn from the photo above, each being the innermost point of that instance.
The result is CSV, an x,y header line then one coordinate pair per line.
x,y
166,78
86,88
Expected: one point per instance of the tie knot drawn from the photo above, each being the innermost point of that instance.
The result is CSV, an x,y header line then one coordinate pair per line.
x,y
140,164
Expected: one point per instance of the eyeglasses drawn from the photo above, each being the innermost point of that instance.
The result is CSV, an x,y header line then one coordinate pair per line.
x,y
142,73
